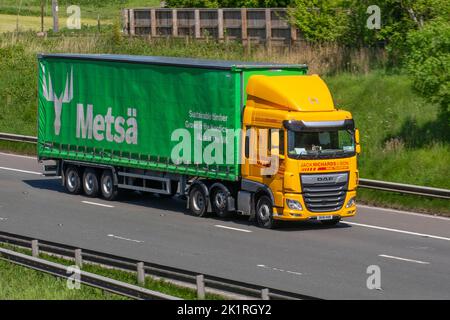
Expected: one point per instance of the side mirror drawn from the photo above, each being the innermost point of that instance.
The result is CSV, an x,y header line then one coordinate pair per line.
x,y
358,146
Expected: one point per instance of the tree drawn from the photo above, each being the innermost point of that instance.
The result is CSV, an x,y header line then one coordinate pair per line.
x,y
320,20
428,62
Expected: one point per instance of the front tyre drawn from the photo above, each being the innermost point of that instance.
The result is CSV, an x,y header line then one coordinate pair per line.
x,y
72,180
108,189
197,201
264,213
90,182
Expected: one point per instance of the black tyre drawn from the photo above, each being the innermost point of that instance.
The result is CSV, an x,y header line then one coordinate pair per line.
x,y
72,180
198,201
219,203
264,213
332,222
90,182
107,188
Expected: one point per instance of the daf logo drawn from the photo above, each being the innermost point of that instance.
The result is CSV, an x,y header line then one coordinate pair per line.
x,y
325,179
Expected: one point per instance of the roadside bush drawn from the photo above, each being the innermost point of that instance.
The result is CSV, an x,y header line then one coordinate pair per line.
x,y
428,62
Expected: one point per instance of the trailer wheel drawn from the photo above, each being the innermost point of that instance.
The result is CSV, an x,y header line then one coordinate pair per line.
x,y
90,182
264,213
197,201
219,202
107,188
73,180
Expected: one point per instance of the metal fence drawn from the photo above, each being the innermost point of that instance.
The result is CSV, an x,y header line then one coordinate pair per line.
x,y
363,183
202,282
257,25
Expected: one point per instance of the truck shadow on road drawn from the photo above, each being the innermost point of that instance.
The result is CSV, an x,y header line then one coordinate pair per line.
x,y
176,205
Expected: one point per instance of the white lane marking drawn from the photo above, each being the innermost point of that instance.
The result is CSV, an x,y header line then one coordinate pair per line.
x,y
397,230
22,171
122,238
17,156
279,270
3,219
98,204
403,259
387,210
230,228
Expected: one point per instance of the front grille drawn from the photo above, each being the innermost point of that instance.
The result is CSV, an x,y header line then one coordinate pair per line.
x,y
324,192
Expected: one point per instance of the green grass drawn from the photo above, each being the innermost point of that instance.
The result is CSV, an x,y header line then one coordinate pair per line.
x,y
8,23
91,9
21,283
404,138
124,276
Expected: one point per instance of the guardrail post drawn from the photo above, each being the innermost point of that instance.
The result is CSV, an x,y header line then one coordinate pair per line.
x,y
265,294
35,248
140,273
200,279
78,258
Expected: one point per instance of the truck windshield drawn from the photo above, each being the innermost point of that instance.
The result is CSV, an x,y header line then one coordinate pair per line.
x,y
321,144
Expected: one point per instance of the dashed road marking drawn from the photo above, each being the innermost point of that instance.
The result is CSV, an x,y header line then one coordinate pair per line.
x,y
279,270
123,238
403,259
231,228
398,231
98,204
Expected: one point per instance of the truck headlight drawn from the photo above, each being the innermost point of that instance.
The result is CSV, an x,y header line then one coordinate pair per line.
x,y
294,204
351,202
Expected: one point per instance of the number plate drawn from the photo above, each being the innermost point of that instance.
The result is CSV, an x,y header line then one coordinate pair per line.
x,y
324,217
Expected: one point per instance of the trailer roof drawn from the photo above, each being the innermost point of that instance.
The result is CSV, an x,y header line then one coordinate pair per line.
x,y
181,62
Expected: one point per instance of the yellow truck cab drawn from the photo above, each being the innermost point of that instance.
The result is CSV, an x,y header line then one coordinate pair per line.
x,y
316,175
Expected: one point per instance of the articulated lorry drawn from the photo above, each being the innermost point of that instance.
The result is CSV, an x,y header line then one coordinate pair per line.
x,y
263,140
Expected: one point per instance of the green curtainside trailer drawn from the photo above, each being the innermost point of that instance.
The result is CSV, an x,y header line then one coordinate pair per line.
x,y
132,111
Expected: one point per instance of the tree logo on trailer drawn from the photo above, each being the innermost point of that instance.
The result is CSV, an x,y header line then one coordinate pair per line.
x,y
50,95
90,126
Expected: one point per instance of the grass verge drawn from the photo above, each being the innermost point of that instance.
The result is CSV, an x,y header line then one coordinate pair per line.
x,y
120,275
21,283
91,9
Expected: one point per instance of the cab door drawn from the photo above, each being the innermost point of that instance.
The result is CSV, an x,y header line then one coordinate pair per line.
x,y
264,158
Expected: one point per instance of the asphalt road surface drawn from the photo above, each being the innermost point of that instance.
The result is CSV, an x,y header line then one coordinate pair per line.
x,y
411,250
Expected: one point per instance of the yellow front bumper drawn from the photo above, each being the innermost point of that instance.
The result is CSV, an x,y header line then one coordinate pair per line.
x,y
288,214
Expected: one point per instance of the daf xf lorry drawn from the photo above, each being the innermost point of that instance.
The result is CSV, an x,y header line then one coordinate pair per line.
x,y
263,140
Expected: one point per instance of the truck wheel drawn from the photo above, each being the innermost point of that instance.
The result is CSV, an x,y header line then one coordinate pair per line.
x,y
219,203
90,182
73,181
197,201
108,189
332,222
264,213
